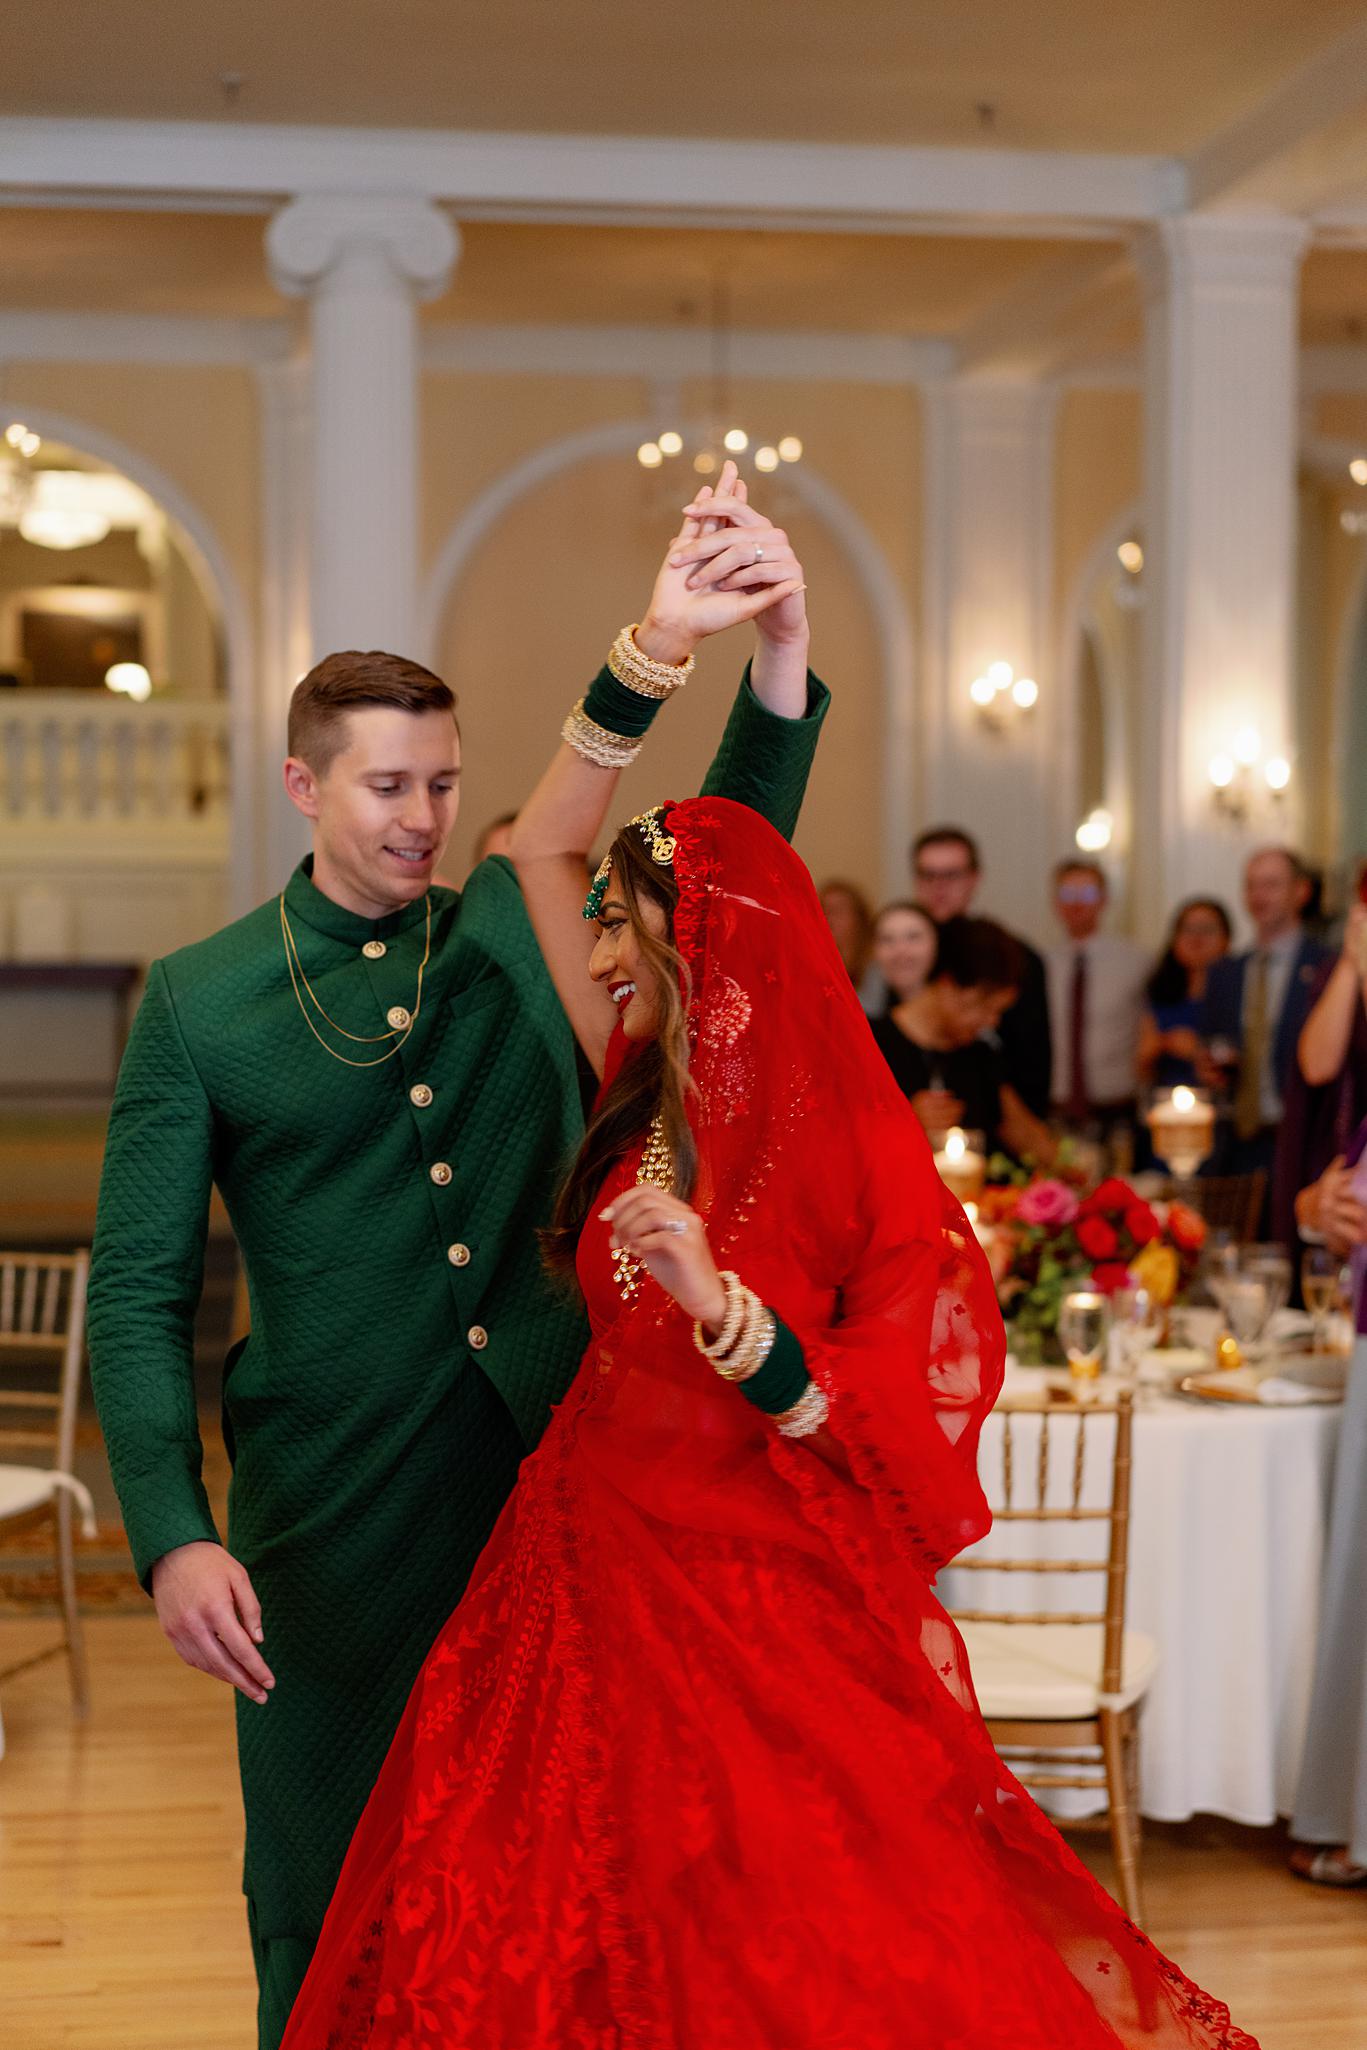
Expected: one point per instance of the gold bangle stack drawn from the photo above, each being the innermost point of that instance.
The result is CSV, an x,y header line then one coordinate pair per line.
x,y
639,673
807,1414
594,742
747,1335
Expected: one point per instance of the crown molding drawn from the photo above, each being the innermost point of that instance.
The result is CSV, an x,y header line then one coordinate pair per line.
x,y
621,178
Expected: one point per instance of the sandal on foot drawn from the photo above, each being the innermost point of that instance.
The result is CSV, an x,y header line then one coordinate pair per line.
x,y
1329,1866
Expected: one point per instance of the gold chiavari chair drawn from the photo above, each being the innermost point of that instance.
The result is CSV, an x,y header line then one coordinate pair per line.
x,y
42,1326
1061,1690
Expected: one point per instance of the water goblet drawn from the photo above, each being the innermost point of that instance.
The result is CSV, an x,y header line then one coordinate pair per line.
x,y
1084,1325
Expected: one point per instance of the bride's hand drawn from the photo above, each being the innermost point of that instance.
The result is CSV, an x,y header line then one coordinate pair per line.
x,y
700,591
670,1240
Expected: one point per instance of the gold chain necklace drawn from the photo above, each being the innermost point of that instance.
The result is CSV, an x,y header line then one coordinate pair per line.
x,y
297,975
657,1172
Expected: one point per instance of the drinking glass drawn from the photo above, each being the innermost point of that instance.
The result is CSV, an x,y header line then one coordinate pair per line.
x,y
1084,1326
1271,1264
1247,1305
1322,1287
1136,1319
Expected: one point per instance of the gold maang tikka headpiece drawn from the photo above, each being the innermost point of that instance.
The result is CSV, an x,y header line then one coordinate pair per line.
x,y
660,846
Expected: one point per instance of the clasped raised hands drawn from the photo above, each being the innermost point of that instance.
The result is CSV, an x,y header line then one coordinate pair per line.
x,y
727,564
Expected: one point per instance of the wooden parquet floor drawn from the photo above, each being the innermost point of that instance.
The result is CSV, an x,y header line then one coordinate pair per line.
x,y
121,1924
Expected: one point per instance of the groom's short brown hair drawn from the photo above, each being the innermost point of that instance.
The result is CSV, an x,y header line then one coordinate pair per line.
x,y
346,682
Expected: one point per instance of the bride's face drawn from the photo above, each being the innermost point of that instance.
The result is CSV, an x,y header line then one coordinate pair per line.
x,y
619,964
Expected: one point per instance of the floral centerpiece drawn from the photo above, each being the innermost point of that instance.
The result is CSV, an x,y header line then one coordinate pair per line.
x,y
1049,1238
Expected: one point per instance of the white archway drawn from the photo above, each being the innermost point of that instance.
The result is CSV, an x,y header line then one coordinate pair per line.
x,y
214,574
872,571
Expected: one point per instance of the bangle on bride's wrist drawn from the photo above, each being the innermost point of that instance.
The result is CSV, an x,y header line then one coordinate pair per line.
x,y
598,744
640,673
806,1415
754,1345
718,1348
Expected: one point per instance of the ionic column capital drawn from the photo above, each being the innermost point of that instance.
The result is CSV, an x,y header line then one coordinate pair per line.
x,y
1222,252
314,236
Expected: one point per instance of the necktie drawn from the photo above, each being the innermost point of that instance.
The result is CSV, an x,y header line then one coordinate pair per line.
x,y
1248,1099
1077,1042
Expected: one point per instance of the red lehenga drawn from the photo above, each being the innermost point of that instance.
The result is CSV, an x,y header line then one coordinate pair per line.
x,y
696,1763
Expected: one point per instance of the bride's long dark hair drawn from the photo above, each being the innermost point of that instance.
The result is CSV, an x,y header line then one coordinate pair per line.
x,y
654,1076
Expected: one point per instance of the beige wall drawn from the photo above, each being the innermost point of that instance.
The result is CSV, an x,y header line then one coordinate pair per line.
x,y
541,597
1098,461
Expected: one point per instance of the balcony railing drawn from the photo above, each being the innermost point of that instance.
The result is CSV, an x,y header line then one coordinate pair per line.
x,y
67,757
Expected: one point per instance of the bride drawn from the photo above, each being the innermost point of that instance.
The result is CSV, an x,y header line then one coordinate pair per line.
x,y
696,1763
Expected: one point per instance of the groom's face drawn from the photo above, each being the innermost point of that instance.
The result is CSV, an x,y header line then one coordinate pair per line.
x,y
384,807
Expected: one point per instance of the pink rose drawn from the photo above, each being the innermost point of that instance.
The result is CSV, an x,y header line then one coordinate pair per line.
x,y
1050,1204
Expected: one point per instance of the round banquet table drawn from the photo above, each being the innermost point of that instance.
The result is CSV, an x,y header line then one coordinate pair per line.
x,y
1229,1513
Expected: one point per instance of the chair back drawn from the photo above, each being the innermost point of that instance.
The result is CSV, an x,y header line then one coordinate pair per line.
x,y
1233,1203
42,1326
1055,1475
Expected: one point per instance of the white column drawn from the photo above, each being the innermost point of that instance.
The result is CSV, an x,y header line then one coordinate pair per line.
x,y
364,264
284,391
987,598
1220,539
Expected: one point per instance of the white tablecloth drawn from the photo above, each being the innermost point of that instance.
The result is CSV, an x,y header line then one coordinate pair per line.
x,y
1229,1514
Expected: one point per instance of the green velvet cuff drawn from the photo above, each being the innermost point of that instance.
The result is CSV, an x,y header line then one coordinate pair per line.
x,y
609,703
783,1378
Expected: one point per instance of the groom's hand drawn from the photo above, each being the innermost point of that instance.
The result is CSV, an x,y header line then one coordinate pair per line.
x,y
206,1606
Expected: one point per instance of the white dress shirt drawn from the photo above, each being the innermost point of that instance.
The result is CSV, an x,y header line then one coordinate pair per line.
x,y
1117,970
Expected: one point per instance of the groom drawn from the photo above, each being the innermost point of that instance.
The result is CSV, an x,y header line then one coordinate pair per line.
x,y
376,1074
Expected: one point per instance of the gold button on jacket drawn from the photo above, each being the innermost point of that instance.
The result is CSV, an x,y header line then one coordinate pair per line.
x,y
440,1172
420,1094
374,950
398,1017
478,1337
459,1256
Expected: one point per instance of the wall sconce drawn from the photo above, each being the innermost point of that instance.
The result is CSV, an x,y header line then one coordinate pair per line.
x,y
1096,832
1238,777
999,694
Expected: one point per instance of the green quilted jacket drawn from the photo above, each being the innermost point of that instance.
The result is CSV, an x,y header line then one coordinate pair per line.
x,y
405,1347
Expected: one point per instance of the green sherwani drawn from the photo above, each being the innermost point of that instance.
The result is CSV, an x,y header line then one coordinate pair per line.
x,y
405,1346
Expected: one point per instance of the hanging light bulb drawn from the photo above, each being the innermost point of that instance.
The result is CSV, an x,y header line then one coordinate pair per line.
x,y
790,449
648,455
766,458
704,462
1278,772
1025,692
670,443
737,440
16,434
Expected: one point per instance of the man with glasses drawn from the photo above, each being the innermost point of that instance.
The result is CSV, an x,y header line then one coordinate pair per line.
x,y
947,870
1096,1003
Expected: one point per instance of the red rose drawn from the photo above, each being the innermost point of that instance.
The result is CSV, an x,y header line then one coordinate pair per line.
x,y
1112,1195
1186,1228
1097,1239
1142,1224
1110,1276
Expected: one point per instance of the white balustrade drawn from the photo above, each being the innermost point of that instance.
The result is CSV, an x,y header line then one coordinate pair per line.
x,y
67,757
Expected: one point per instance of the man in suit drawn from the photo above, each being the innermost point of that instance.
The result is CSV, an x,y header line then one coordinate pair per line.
x,y
947,871
1256,1003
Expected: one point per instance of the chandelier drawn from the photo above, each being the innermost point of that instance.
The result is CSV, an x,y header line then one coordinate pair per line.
x,y
707,446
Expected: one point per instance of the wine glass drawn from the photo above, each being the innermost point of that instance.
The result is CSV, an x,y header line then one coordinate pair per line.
x,y
1136,1319
1247,1304
1322,1288
1084,1325
1272,1266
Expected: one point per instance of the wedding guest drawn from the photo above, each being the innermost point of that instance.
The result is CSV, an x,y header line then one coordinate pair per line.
x,y
1096,1003
850,918
1256,1003
905,943
947,869
1170,1046
1326,1093
1330,1819
938,1047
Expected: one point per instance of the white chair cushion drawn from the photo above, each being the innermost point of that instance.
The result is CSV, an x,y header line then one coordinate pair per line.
x,y
1051,1672
23,1488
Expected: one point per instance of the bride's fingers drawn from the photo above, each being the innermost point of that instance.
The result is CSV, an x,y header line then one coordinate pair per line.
x,y
744,554
754,574
737,510
708,546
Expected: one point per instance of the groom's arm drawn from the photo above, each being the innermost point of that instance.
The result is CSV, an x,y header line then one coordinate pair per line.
x,y
147,1271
